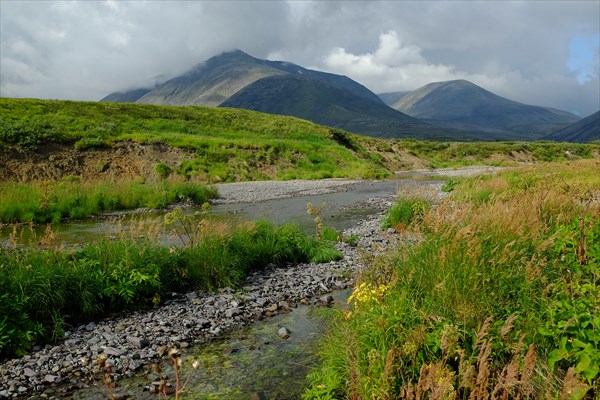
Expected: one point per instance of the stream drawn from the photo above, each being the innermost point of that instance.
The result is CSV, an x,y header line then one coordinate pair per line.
x,y
343,210
252,362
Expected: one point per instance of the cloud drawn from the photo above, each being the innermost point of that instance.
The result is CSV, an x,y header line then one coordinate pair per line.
x,y
393,66
519,49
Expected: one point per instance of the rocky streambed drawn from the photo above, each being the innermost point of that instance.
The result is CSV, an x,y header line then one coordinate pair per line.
x,y
131,342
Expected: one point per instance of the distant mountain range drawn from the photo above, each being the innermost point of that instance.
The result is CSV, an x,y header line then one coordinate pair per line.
x,y
454,110
462,105
583,131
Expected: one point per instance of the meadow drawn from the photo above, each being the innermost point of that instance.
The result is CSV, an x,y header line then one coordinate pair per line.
x,y
500,298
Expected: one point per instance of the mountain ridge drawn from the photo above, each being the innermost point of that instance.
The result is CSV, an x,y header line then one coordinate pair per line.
x,y
230,79
583,131
461,104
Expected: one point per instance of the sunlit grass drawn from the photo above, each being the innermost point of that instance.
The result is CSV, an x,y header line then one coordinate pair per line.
x,y
499,297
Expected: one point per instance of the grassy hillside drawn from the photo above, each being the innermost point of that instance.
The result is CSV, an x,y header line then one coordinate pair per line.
x,y
465,106
316,100
224,144
499,299
583,131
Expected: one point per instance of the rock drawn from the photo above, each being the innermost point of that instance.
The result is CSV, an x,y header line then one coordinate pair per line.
x,y
49,378
90,327
21,389
138,342
284,332
391,230
29,372
232,312
327,300
94,340
135,365
203,323
112,351
191,295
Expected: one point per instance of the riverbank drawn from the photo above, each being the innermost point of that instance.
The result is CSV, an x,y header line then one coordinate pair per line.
x,y
132,342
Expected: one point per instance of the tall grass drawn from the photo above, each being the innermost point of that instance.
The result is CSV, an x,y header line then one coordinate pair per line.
x,y
500,300
43,291
42,202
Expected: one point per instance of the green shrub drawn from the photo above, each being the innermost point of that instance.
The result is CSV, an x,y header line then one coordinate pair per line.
x,y
88,143
163,170
404,212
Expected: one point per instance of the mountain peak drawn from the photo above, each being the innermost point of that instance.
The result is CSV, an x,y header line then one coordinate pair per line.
x,y
461,104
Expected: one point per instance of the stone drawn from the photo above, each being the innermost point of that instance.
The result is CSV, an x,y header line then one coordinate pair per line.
x,y
94,340
112,351
203,323
29,372
138,342
90,327
191,295
327,300
50,378
232,312
284,332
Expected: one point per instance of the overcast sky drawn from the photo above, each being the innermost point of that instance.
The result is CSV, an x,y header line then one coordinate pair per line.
x,y
537,52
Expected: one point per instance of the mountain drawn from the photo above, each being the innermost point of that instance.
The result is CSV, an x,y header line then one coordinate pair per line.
x,y
316,100
462,105
391,97
583,131
130,96
236,79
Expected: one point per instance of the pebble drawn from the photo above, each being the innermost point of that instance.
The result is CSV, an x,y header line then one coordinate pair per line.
x,y
284,332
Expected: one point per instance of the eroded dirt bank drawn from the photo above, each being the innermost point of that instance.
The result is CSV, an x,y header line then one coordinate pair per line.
x,y
125,160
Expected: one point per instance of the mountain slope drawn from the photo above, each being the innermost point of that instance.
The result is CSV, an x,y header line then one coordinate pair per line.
x,y
236,79
316,100
583,131
130,96
463,105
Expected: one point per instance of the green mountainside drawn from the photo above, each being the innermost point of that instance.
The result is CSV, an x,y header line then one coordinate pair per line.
x,y
463,105
329,99
583,131
315,100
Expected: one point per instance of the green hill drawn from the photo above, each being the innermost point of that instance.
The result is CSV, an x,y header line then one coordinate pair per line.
x,y
219,144
318,101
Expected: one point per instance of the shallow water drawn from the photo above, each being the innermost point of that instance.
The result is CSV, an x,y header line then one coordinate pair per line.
x,y
252,363
344,209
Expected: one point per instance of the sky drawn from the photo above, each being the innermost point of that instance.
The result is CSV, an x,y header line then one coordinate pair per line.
x,y
536,52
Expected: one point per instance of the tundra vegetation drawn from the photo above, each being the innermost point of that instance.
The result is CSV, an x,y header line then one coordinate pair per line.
x,y
500,297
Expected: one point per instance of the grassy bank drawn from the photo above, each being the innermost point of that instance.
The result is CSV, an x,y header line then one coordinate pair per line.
x,y
45,291
227,144
500,299
42,202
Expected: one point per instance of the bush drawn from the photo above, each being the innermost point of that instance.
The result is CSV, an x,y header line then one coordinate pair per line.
x,y
404,212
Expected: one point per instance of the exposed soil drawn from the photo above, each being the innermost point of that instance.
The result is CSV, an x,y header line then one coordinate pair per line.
x,y
125,160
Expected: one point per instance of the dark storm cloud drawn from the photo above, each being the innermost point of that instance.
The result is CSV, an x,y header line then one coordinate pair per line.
x,y
521,50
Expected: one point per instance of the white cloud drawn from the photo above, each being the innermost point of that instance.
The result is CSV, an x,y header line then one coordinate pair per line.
x,y
393,66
